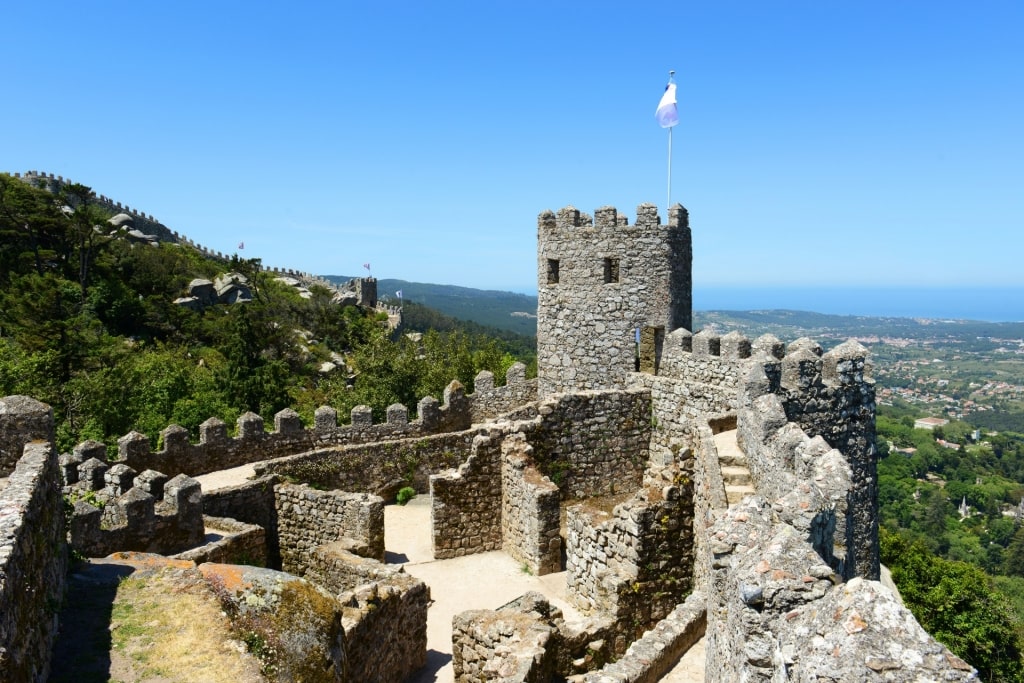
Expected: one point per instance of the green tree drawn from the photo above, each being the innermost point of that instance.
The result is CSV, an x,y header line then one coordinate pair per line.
x,y
956,604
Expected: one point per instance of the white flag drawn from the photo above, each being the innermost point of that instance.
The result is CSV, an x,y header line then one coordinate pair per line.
x,y
666,114
399,294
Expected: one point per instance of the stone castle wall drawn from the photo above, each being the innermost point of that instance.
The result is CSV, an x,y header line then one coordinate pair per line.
x,y
592,443
143,222
33,559
530,510
148,225
216,450
599,281
22,420
308,518
467,515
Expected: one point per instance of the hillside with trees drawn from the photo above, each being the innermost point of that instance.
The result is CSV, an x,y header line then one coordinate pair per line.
x,y
89,325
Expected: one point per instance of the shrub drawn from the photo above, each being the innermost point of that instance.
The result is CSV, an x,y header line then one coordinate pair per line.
x,y
405,494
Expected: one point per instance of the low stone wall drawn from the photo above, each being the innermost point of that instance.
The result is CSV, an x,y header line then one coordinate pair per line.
x,y
592,443
466,513
145,513
386,629
632,563
530,510
33,563
488,401
229,541
251,502
307,519
384,612
775,610
709,497
336,568
512,644
22,420
381,468
648,659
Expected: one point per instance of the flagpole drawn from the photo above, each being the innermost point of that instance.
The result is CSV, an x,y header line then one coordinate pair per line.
x,y
668,198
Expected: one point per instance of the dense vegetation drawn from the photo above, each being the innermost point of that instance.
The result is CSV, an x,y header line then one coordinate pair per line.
x,y
963,577
88,325
957,603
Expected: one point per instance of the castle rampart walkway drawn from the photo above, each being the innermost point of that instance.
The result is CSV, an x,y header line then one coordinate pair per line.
x,y
481,581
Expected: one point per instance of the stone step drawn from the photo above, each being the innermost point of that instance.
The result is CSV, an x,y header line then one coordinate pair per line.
x,y
732,458
735,494
736,476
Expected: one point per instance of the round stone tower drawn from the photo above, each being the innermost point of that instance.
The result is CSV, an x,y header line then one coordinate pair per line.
x,y
607,293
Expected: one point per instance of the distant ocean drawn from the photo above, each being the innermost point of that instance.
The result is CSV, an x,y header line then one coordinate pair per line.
x,y
994,304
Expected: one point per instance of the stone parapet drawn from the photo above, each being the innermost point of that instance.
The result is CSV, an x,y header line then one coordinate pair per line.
x,y
229,541
22,421
489,401
829,395
650,657
33,563
126,515
776,609
216,450
466,513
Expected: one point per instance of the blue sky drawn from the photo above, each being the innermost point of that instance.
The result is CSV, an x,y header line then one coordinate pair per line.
x,y
821,143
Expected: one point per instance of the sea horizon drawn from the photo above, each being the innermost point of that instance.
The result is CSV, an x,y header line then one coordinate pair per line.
x,y
989,304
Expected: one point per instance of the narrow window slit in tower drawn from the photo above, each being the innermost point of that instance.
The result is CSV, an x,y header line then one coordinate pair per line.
x,y
552,271
611,270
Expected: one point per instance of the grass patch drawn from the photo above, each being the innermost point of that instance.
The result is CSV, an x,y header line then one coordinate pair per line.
x,y
169,625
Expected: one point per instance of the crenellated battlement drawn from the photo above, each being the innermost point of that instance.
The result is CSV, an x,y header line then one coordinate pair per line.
x,y
131,511
607,219
217,450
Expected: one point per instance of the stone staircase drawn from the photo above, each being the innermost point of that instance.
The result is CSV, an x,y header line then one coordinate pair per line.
x,y
734,467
